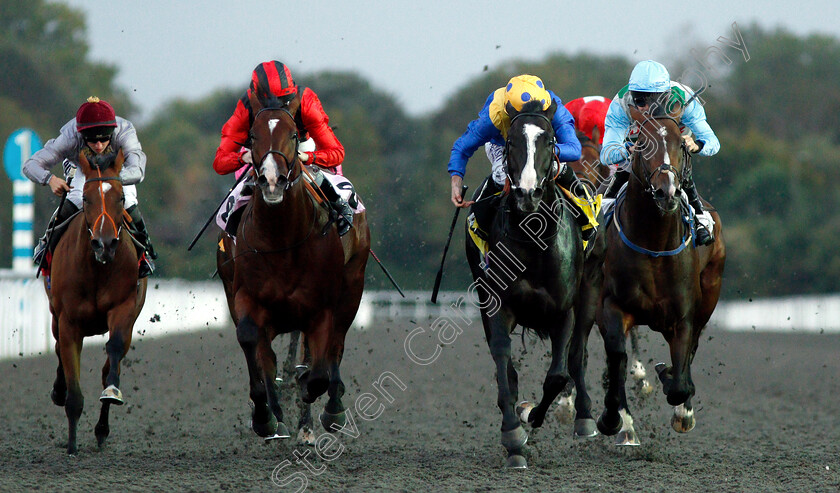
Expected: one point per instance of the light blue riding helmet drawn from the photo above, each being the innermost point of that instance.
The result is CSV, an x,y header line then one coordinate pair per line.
x,y
649,76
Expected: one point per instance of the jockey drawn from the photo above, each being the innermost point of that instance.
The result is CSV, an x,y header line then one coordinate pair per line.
x,y
589,112
651,90
97,129
490,130
312,123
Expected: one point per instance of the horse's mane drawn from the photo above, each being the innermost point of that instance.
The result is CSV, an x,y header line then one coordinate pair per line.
x,y
583,138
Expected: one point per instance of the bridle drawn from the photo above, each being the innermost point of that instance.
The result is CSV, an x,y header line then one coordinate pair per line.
x,y
649,176
104,215
291,164
555,169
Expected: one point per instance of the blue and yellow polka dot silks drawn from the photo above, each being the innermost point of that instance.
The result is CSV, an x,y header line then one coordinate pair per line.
x,y
524,88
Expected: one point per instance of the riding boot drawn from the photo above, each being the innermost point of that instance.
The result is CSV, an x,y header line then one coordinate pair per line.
x,y
344,212
138,229
703,235
619,179
569,180
486,203
59,217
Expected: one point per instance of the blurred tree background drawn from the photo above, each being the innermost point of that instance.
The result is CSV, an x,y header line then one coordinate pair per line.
x,y
775,181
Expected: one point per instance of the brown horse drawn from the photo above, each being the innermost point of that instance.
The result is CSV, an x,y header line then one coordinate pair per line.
x,y
654,276
289,270
588,168
93,289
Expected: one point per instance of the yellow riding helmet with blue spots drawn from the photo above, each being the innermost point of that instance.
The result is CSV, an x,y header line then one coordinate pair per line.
x,y
526,88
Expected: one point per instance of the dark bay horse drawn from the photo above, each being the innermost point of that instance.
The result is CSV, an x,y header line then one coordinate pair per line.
x,y
290,271
93,289
534,267
654,276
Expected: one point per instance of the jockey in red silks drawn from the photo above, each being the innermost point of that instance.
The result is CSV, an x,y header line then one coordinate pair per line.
x,y
589,112
312,123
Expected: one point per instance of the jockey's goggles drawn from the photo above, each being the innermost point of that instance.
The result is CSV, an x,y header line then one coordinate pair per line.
x,y
97,136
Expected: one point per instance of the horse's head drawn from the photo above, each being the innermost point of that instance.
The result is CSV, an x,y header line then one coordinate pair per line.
x,y
274,143
529,152
103,201
659,158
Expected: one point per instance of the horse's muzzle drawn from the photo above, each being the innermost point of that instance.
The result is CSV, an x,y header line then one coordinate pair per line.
x,y
272,191
667,200
104,251
528,200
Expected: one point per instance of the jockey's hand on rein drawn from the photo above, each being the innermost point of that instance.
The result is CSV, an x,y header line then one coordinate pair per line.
x,y
457,200
245,158
690,144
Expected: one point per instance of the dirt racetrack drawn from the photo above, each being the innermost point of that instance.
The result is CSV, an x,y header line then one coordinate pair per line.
x,y
768,419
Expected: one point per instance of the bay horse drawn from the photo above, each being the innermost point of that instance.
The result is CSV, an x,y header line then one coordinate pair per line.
x,y
288,270
655,276
93,289
532,270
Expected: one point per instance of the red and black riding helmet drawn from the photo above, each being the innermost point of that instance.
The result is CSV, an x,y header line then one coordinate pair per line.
x,y
274,78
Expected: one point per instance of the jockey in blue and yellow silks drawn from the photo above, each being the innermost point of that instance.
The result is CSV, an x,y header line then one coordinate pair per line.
x,y
651,90
490,130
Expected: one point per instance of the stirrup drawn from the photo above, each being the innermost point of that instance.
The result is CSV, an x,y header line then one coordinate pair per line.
x,y
703,235
146,266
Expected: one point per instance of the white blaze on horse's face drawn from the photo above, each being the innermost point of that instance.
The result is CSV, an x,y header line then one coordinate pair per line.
x,y
672,178
528,179
269,165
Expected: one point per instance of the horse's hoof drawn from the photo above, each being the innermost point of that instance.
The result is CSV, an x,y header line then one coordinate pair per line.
x,y
683,419
306,436
516,461
265,429
523,410
333,422
58,398
627,438
637,371
281,432
606,428
515,438
564,411
585,428
112,395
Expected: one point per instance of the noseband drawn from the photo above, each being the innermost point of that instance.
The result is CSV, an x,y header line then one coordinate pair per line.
x,y
290,163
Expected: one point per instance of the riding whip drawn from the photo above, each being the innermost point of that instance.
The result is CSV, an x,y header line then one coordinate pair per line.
x,y
212,216
386,272
439,277
52,226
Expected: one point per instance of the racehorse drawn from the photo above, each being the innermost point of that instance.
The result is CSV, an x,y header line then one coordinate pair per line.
x,y
654,276
93,289
532,270
588,168
289,270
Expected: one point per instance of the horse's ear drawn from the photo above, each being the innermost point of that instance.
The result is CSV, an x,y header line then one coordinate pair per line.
x,y
118,162
596,134
254,99
84,164
552,109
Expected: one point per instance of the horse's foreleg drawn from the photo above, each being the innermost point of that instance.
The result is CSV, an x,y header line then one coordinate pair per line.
x,y
319,340
59,391
676,380
267,364
120,322
614,327
578,356
514,436
298,365
70,348
637,368
263,421
558,372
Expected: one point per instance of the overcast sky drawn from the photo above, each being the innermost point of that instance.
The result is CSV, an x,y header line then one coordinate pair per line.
x,y
420,51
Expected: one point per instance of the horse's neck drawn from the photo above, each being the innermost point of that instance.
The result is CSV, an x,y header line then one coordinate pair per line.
x,y
645,223
290,219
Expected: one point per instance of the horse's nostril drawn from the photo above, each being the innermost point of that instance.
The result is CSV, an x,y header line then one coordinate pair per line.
x,y
538,193
659,194
262,180
113,244
96,244
519,193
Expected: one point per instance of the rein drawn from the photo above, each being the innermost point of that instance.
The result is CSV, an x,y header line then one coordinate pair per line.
x,y
104,214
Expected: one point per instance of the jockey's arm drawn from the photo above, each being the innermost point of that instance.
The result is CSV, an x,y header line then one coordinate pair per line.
x,y
478,132
616,125
234,133
567,146
37,167
329,152
694,118
134,167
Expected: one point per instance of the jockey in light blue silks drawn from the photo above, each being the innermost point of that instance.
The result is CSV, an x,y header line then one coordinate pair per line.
x,y
651,90
490,130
